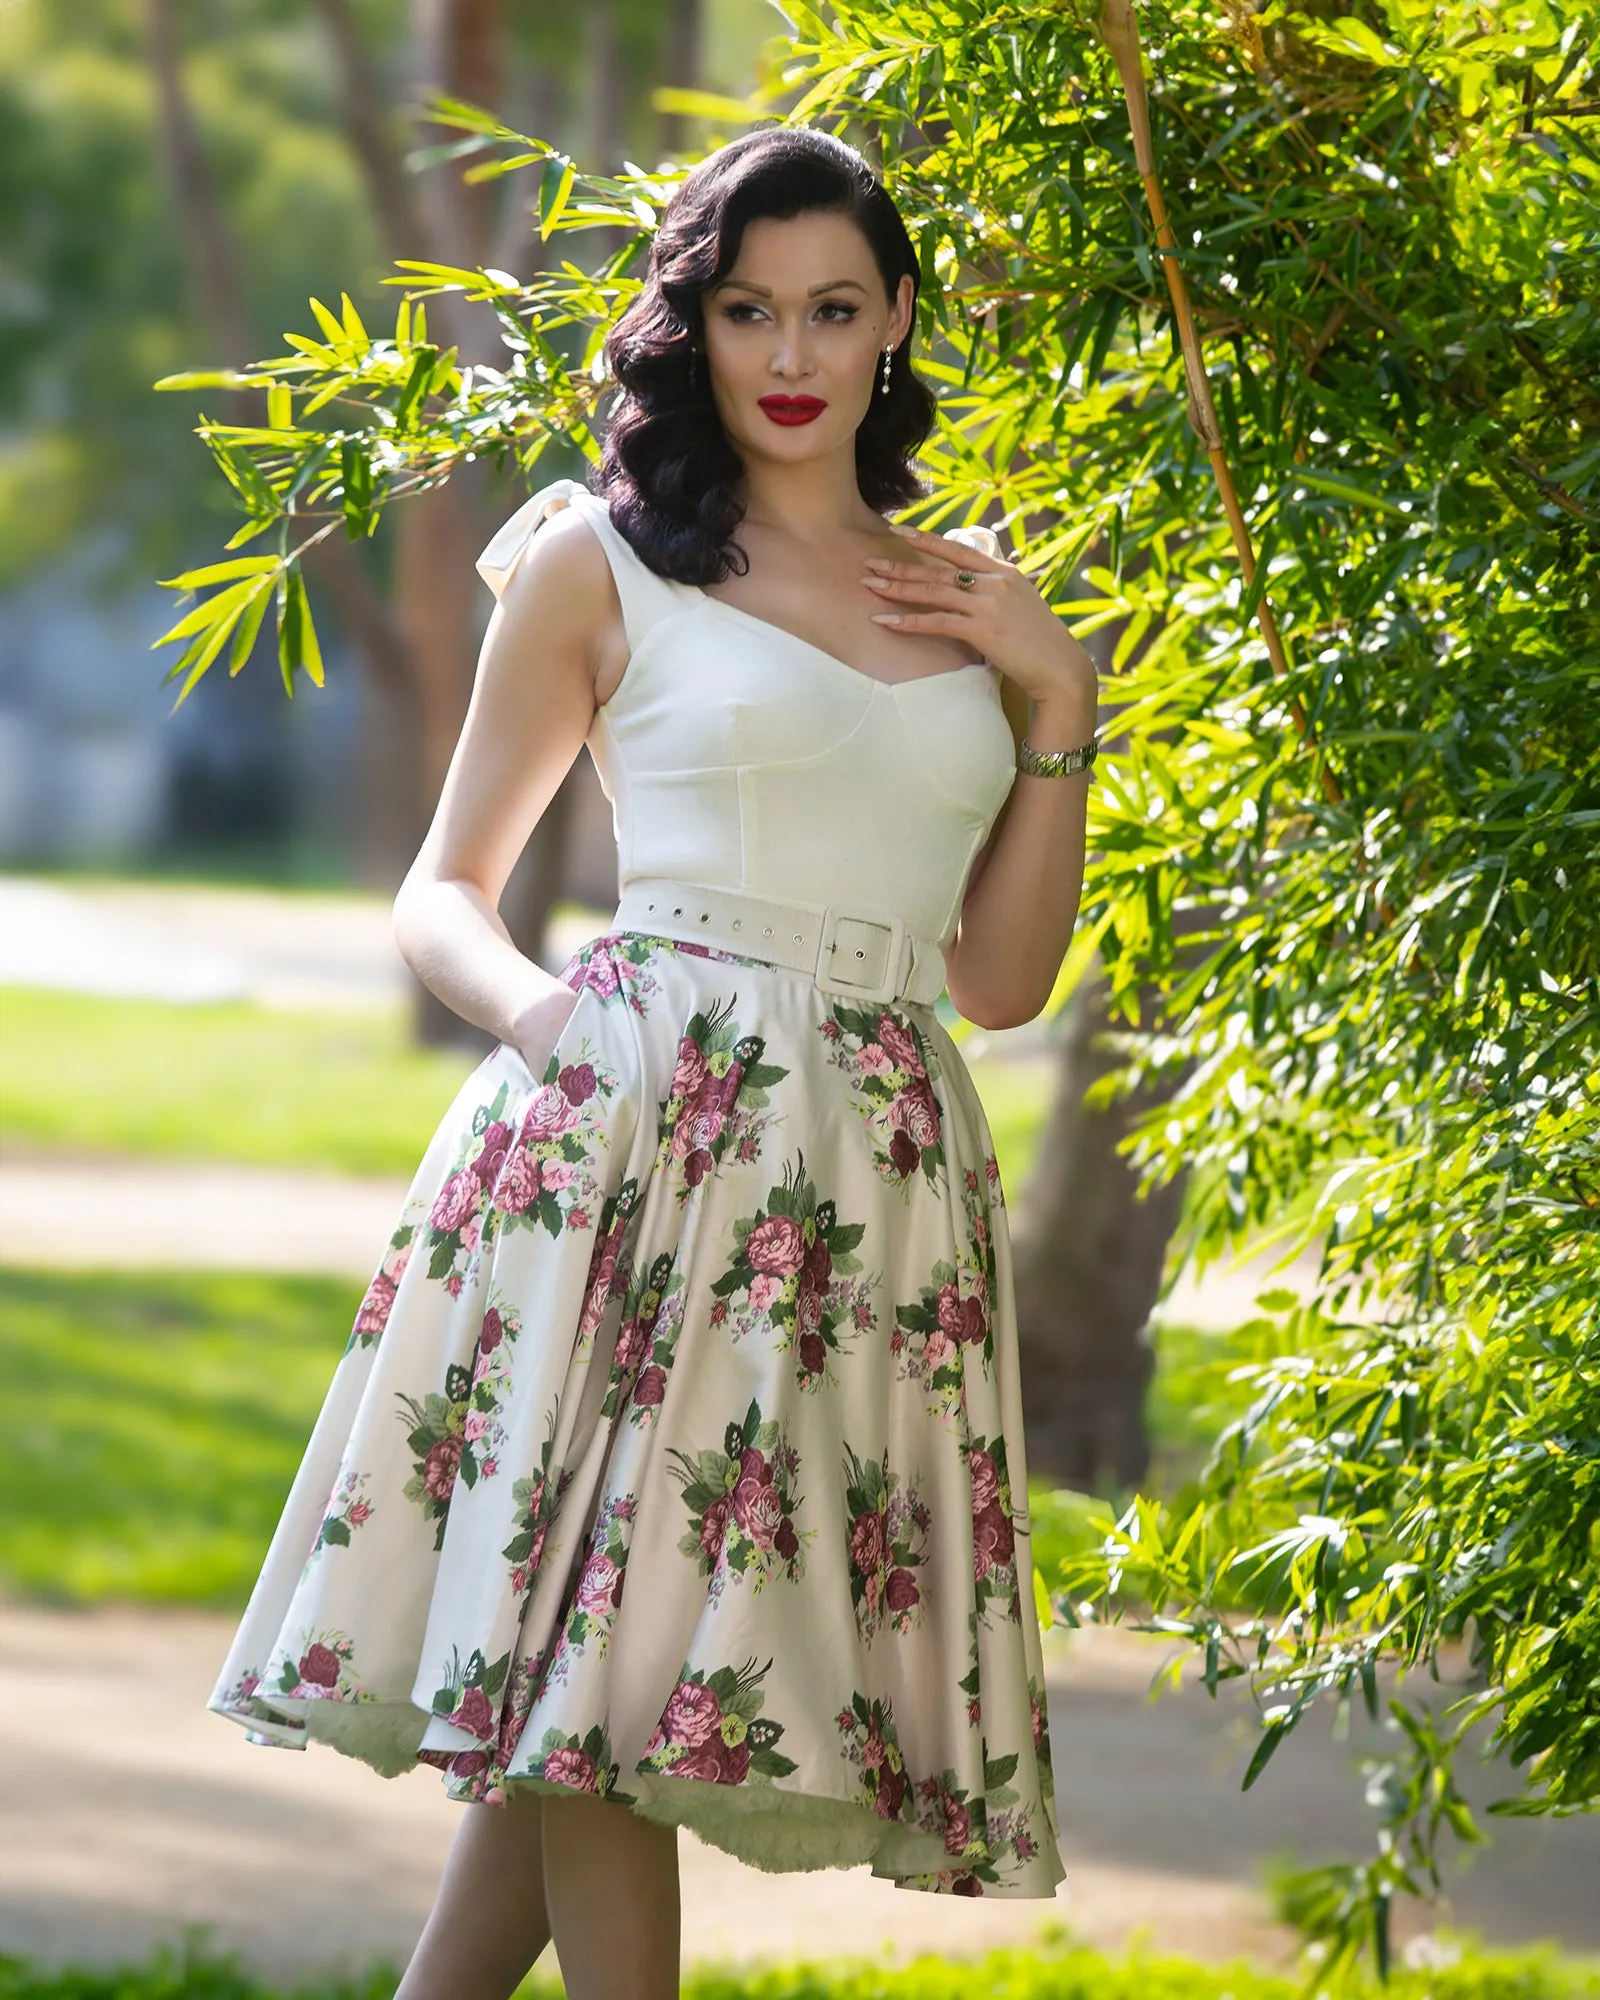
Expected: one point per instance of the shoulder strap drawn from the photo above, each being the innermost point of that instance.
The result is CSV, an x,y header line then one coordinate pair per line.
x,y
646,598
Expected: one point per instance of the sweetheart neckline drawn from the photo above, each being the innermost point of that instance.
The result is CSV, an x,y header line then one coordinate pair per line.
x,y
833,660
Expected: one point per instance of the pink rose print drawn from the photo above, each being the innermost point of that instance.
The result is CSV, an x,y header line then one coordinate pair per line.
x,y
557,1174
807,1309
578,1082
874,1059
691,1070
758,1510
439,1468
962,1319
360,1512
897,1042
957,1823
937,1349
573,1768
476,1714
319,1667
776,1245
455,1201
866,1543
551,1113
764,1291
372,1315
518,1187
993,1541
985,1480
600,976
692,1713
901,1592
578,1218
753,1463
704,1763
600,1585
891,1793
492,1157
475,1426
916,1112
713,1526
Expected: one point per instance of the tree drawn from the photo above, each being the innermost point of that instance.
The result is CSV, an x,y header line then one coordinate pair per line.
x,y
1348,903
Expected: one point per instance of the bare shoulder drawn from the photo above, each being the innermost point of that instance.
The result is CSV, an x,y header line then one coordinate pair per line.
x,y
563,587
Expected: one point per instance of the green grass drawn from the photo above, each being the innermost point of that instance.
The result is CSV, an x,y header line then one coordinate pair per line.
x,y
1053,1973
343,1091
167,1413
158,1421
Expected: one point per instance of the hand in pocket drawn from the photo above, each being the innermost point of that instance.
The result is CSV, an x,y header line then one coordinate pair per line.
x,y
541,1027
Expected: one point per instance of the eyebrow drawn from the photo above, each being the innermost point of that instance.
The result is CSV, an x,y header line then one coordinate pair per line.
x,y
762,291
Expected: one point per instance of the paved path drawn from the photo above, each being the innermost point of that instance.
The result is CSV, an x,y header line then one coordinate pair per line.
x,y
130,1812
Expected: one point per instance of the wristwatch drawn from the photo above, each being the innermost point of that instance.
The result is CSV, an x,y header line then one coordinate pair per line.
x,y
1056,763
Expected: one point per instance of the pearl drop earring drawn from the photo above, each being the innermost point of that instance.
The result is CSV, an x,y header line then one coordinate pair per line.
x,y
883,387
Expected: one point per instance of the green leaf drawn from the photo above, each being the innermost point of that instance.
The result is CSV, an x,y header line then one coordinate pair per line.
x,y
298,651
552,210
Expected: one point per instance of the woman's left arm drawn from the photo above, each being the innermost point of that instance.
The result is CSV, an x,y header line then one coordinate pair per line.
x,y
1022,898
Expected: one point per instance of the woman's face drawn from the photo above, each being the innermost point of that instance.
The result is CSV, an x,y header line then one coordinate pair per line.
x,y
795,334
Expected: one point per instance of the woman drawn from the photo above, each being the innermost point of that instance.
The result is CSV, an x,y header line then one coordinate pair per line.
x,y
703,1286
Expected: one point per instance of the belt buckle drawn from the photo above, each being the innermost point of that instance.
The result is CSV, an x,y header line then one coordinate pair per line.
x,y
853,937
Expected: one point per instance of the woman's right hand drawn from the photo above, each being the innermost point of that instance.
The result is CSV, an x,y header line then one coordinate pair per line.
x,y
538,1026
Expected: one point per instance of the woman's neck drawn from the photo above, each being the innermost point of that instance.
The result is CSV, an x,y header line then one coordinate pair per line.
x,y
814,502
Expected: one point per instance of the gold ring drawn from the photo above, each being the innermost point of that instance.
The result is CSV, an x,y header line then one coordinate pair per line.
x,y
965,579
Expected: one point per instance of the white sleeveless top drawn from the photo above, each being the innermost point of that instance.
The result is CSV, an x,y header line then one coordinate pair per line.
x,y
738,755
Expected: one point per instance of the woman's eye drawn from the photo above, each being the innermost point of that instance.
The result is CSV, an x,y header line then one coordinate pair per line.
x,y
839,307
738,311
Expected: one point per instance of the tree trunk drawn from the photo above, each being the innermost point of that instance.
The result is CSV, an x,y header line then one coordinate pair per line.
x,y
1090,1258
1089,1261
682,70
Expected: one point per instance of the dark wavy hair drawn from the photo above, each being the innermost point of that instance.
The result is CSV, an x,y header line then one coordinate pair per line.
x,y
669,474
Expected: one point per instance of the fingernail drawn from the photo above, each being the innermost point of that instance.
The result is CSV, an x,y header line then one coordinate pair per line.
x,y
876,582
886,618
878,563
898,528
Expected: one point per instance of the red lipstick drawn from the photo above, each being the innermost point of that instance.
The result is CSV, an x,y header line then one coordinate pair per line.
x,y
793,409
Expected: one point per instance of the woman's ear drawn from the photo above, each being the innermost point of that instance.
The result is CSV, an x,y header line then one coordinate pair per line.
x,y
903,313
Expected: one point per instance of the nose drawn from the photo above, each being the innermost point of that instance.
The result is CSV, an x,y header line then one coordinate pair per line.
x,y
791,353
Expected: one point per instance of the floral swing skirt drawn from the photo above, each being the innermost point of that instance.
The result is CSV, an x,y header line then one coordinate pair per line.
x,y
675,1454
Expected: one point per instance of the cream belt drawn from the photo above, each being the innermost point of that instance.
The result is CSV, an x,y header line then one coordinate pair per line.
x,y
857,953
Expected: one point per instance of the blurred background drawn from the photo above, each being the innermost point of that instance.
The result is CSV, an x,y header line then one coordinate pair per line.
x,y
216,1076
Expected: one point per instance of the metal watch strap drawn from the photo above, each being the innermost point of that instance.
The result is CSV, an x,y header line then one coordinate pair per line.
x,y
1056,763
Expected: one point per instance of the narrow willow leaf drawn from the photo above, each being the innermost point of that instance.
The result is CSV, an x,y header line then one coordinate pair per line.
x,y
551,211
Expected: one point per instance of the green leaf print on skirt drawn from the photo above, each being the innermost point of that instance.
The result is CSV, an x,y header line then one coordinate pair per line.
x,y
647,1340
949,1320
871,1745
469,1696
712,1729
888,1530
543,1175
795,1264
892,1069
716,1100
742,1502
